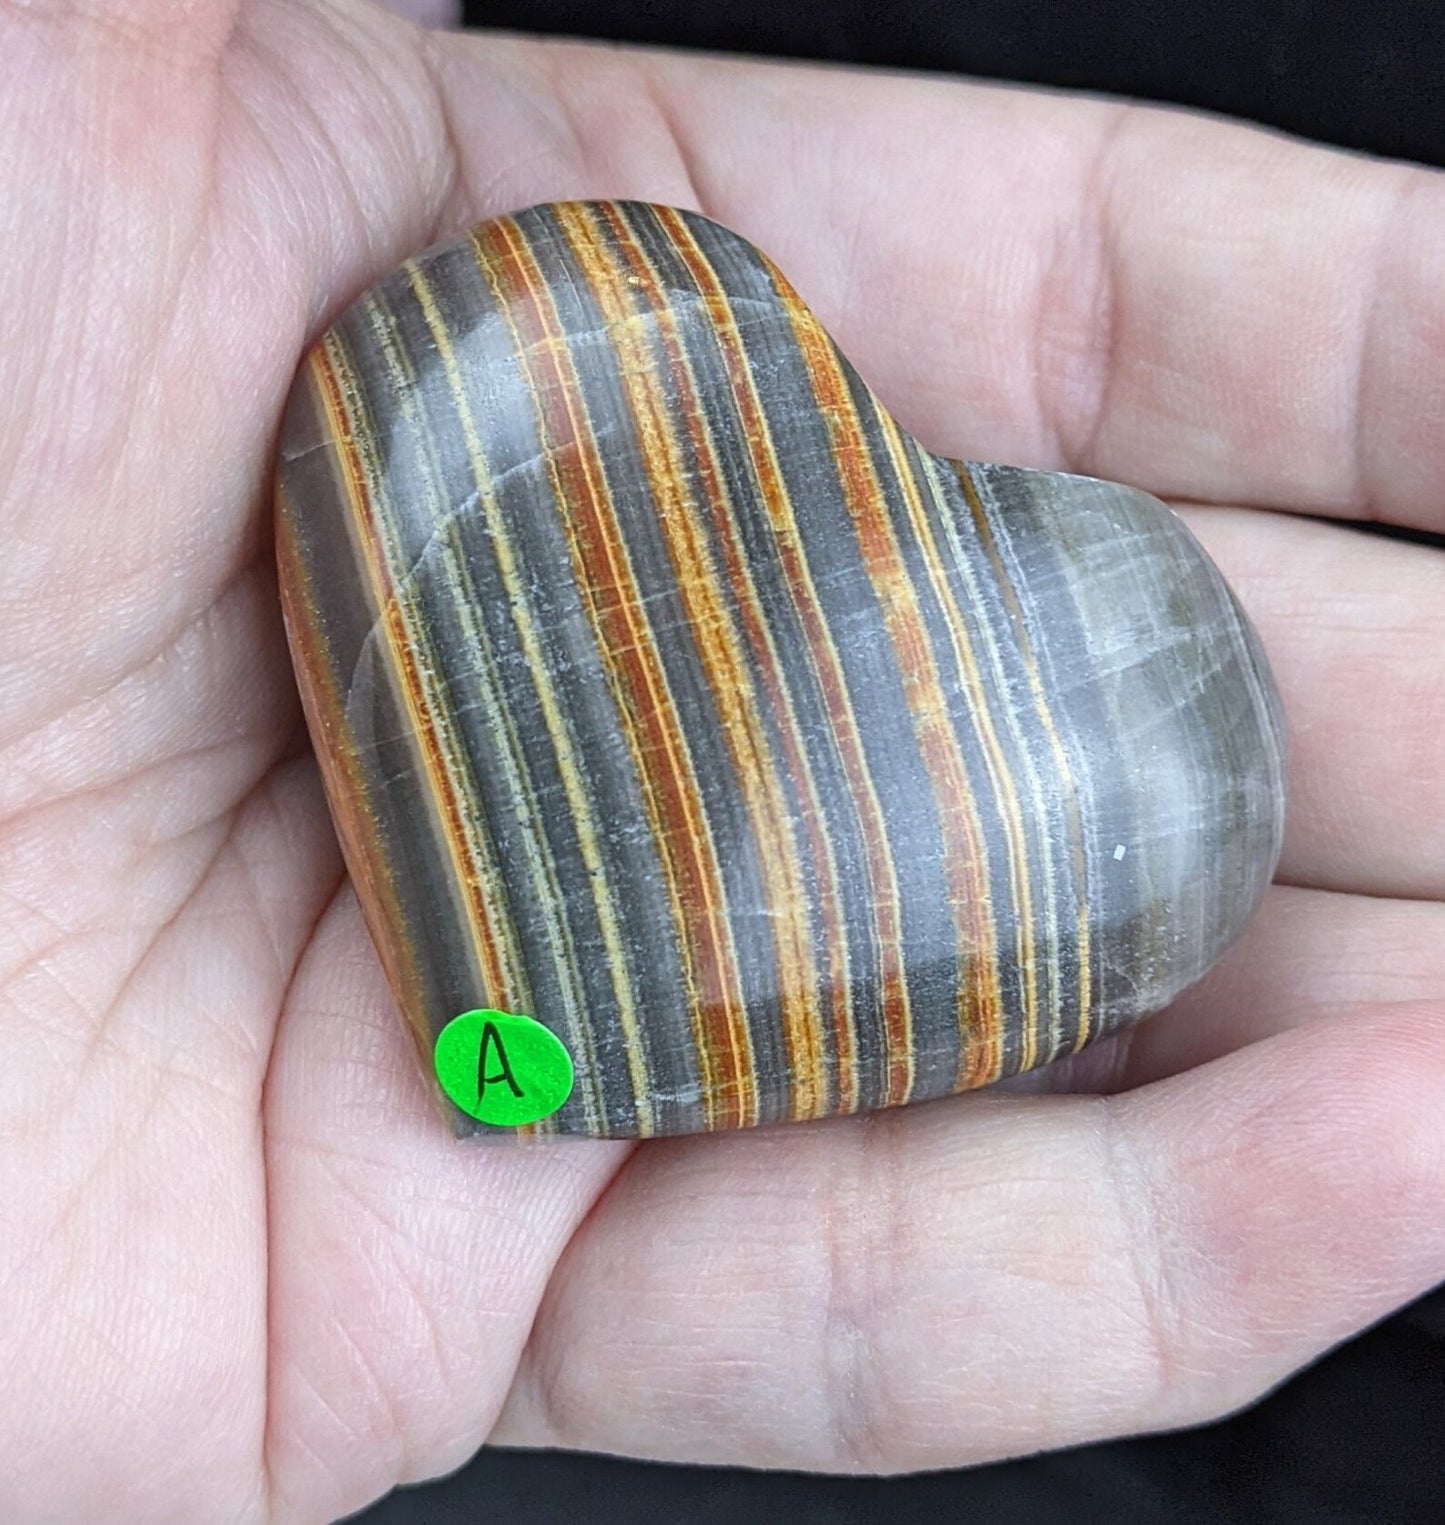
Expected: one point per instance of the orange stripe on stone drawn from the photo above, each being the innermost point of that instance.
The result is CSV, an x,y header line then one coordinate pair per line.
x,y
336,757
1046,719
835,982
964,850
1001,781
720,657
402,643
626,645
882,876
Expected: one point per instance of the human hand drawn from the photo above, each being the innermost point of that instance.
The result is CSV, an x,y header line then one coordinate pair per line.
x,y
245,1273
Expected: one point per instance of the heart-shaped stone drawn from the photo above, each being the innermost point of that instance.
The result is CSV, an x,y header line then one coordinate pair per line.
x,y
670,696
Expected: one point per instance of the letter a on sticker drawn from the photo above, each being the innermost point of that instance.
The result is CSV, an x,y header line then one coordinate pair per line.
x,y
504,1069
493,1046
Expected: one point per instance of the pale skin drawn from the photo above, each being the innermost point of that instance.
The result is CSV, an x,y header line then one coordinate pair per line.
x,y
245,1274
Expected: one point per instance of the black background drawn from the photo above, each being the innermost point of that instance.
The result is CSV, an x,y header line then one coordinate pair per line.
x,y
1367,75
1360,1438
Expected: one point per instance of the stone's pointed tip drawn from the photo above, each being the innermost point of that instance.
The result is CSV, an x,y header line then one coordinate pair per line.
x,y
665,690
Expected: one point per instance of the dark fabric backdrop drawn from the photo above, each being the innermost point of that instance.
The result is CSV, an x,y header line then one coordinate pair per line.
x,y
1368,74
1360,1438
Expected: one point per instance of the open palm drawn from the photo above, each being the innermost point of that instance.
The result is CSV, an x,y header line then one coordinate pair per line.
x,y
244,1273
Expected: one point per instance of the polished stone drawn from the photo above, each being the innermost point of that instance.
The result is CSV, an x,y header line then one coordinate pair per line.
x,y
667,693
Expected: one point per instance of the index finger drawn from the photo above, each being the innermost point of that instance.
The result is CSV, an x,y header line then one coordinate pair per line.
x,y
1204,310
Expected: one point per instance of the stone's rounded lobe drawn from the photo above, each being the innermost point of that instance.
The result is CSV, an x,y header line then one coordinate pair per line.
x,y
666,690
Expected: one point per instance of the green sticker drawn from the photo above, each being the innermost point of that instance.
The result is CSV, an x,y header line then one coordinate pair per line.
x,y
502,1069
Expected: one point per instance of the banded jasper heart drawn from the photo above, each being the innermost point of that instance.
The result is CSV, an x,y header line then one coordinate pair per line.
x,y
669,695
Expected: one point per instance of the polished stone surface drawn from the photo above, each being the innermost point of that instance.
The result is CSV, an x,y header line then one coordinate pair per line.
x,y
668,693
